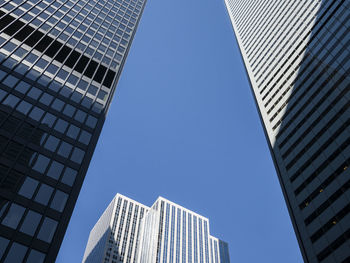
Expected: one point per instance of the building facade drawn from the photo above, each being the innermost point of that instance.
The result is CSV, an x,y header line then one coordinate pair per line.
x,y
164,233
297,58
59,65
114,238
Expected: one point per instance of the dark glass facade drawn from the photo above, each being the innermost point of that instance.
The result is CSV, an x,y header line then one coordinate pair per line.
x,y
297,57
59,65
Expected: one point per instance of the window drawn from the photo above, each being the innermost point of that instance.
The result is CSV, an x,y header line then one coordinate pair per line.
x,y
16,253
57,104
46,99
35,257
61,126
85,137
77,155
91,122
65,149
59,201
3,245
36,113
73,131
34,93
28,188
30,223
47,230
80,116
69,176
51,143
55,170
41,163
49,119
44,194
13,216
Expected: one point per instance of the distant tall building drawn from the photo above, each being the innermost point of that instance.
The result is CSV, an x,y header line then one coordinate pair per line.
x,y
297,56
59,65
164,233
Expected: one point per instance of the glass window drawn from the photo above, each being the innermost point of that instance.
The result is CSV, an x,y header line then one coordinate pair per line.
x,y
102,95
62,73
49,119
69,110
36,113
76,96
72,79
10,81
92,89
85,137
24,107
44,80
61,126
9,47
59,201
13,216
66,91
91,122
35,257
55,86
44,194
77,155
22,87
52,143
47,230
82,84
87,102
55,170
28,188
30,223
16,253
80,116
52,69
34,93
3,245
11,101
65,149
57,104
73,131
69,176
41,163
46,99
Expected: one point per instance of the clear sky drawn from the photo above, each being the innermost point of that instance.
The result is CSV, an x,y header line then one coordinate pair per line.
x,y
183,125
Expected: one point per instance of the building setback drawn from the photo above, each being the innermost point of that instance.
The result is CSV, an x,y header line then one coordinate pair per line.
x,y
166,232
297,57
59,65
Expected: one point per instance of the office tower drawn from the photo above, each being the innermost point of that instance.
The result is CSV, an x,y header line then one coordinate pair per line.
x,y
114,238
59,65
297,57
165,232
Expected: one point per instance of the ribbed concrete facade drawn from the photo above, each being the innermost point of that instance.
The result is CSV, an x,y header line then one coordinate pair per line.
x,y
165,232
297,57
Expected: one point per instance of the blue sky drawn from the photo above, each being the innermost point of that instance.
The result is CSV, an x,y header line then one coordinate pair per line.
x,y
183,125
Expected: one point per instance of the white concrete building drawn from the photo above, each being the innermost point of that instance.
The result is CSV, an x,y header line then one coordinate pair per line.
x,y
166,232
297,58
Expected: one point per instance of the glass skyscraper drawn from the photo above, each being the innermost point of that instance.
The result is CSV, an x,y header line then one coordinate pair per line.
x,y
60,61
164,233
297,57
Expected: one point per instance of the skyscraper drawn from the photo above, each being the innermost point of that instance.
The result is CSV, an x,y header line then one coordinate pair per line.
x,y
59,65
166,232
297,57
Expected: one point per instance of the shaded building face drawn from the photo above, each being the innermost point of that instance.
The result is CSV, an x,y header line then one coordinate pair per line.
x,y
59,65
297,58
